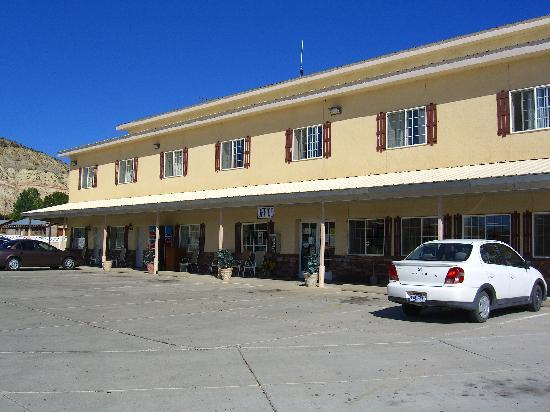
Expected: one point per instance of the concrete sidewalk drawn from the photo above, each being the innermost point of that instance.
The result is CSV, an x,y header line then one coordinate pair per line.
x,y
286,284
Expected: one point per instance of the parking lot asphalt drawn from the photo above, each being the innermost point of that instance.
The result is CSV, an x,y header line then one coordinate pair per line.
x,y
88,340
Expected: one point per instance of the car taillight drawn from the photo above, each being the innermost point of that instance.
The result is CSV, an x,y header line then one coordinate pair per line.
x,y
454,275
392,271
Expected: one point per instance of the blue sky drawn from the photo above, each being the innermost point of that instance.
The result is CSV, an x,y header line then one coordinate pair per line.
x,y
70,71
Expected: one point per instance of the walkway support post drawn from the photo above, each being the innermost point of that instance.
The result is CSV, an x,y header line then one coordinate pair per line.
x,y
220,230
439,218
157,236
104,251
322,248
29,228
64,231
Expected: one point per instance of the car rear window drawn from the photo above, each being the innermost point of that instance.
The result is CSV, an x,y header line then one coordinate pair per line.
x,y
445,252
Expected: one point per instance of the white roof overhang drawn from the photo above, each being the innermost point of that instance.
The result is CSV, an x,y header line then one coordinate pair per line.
x,y
518,175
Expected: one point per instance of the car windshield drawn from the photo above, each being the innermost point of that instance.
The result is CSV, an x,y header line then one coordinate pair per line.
x,y
446,252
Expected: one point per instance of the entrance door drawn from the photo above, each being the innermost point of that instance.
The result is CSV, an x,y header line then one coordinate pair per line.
x,y
309,243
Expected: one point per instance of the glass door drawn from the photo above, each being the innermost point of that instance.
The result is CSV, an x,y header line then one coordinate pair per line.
x,y
309,243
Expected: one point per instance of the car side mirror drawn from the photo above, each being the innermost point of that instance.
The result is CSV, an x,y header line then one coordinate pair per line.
x,y
527,264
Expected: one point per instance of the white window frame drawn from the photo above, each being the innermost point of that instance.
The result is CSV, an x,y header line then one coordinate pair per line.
x,y
173,154
533,234
87,177
509,243
233,161
407,129
307,128
188,226
132,177
511,108
254,230
383,242
421,230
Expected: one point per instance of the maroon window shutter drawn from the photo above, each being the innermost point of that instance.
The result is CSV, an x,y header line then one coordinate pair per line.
x,y
108,241
387,236
135,169
515,230
431,123
161,175
527,234
238,243
288,146
177,230
79,178
94,183
217,157
202,237
327,146
126,232
397,236
117,168
458,226
381,132
86,236
247,152
447,227
185,160
270,231
503,113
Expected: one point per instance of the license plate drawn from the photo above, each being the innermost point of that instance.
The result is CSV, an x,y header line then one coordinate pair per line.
x,y
417,298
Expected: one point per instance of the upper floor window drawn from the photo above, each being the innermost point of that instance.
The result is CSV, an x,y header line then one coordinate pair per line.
x,y
541,234
366,236
530,108
233,154
491,227
415,231
88,177
406,127
126,172
173,163
308,143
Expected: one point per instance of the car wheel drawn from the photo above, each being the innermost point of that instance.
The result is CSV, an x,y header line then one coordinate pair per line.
x,y
536,298
482,309
411,310
69,263
13,264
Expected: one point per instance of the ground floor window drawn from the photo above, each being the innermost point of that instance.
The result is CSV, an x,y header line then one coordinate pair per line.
x,y
116,238
415,231
189,237
79,238
254,237
541,234
490,227
366,236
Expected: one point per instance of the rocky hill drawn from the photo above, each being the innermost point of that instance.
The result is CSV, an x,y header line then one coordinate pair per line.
x,y
22,167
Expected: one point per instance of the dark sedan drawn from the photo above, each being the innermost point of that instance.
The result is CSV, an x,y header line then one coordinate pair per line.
x,y
18,253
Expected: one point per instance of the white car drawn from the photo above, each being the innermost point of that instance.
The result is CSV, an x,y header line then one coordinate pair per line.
x,y
475,275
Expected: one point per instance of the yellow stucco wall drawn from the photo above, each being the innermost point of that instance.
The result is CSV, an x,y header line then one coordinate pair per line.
x,y
467,134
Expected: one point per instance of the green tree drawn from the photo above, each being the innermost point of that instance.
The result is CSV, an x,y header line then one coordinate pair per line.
x,y
29,199
55,198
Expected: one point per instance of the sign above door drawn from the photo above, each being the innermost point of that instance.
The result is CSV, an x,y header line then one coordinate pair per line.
x,y
266,212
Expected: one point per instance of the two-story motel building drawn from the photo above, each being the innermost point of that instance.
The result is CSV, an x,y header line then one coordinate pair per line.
x,y
362,162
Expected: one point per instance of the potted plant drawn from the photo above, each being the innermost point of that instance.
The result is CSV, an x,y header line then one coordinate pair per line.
x,y
311,274
225,264
148,259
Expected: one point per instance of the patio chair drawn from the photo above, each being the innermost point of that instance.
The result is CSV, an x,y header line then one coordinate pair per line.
x,y
214,266
249,265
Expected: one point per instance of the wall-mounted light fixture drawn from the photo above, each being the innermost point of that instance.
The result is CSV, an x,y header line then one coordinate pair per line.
x,y
156,145
74,162
130,227
335,110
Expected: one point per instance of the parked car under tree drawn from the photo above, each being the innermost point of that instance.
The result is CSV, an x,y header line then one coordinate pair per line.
x,y
475,275
19,253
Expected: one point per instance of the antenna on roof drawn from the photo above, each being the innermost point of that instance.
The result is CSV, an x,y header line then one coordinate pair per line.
x,y
302,59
